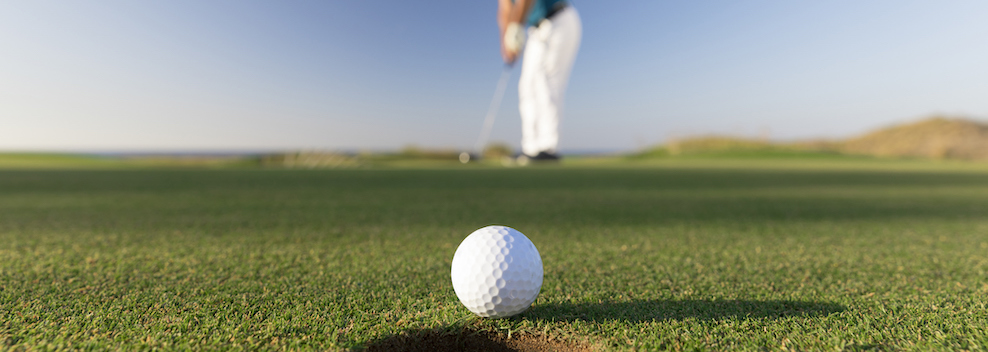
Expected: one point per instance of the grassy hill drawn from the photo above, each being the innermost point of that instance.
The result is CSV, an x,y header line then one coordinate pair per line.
x,y
936,138
933,138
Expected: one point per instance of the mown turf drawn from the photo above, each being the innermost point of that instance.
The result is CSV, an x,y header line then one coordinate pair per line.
x,y
671,257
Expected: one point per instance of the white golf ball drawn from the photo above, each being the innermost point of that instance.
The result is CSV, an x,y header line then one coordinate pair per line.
x,y
497,272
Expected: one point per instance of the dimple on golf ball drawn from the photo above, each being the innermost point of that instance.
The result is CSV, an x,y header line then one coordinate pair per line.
x,y
497,272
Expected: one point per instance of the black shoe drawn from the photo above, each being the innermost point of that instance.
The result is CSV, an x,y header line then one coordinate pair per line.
x,y
541,157
545,156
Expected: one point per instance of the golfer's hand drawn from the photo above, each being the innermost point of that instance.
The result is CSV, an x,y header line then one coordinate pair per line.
x,y
508,56
512,39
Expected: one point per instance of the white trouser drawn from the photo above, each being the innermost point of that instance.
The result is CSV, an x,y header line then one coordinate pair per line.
x,y
548,60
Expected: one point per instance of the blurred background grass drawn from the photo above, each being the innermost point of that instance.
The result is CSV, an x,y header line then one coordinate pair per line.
x,y
935,138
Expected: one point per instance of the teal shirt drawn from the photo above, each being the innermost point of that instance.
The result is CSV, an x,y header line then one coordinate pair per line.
x,y
540,9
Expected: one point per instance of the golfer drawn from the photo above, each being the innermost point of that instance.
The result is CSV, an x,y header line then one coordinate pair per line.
x,y
553,31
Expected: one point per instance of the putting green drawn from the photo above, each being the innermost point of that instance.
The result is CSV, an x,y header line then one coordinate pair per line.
x,y
672,256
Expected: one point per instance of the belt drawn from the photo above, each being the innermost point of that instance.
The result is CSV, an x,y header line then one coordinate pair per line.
x,y
557,8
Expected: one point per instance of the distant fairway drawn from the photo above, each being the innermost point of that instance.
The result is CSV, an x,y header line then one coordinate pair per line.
x,y
681,256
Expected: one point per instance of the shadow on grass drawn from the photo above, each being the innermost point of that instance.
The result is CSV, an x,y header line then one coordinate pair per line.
x,y
659,310
468,339
472,339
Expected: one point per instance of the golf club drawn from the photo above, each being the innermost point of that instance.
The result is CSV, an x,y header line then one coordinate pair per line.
x,y
492,111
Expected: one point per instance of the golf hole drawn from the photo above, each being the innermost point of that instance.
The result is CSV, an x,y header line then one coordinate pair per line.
x,y
469,339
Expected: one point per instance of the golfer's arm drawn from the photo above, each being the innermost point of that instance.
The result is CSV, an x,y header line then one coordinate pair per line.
x,y
503,9
520,11
516,12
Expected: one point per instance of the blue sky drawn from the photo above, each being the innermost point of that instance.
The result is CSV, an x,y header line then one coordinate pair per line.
x,y
348,74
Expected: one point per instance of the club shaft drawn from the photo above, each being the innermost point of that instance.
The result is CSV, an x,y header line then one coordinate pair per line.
x,y
492,111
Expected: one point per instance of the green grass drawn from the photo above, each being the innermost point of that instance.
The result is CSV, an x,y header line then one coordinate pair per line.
x,y
679,256
53,161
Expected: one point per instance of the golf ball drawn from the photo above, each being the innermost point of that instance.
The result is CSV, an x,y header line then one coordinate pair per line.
x,y
497,272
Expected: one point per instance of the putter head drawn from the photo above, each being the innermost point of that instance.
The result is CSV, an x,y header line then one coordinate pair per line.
x,y
467,157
